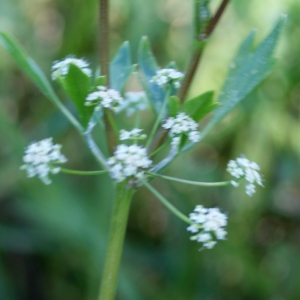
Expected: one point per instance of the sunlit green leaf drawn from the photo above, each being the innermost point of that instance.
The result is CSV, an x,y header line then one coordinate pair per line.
x,y
121,68
246,72
77,84
148,67
200,106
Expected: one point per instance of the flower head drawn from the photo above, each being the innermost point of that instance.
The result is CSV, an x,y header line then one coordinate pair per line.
x,y
168,76
182,124
104,97
134,134
61,67
134,101
244,168
208,225
128,162
41,158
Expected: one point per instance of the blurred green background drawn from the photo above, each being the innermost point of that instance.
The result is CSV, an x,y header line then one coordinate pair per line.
x,y
52,238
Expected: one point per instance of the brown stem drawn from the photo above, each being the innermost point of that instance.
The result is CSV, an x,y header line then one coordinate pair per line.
x,y
212,24
104,64
189,75
192,67
104,38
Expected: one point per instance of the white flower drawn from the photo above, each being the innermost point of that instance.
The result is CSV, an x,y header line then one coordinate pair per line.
x,y
128,162
234,183
167,76
250,189
207,226
134,101
104,97
182,124
134,134
214,220
244,168
41,158
61,67
194,136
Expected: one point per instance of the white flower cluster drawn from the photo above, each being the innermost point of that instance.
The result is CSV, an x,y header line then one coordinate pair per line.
x,y
128,161
61,67
244,168
208,224
164,77
41,158
134,134
182,124
105,97
134,101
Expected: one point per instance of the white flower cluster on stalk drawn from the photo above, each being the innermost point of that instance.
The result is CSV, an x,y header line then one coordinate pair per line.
x,y
167,76
244,168
41,158
134,134
61,67
182,124
208,225
128,162
133,102
104,97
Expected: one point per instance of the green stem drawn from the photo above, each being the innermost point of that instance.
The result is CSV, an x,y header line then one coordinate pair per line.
x,y
158,119
146,90
158,149
115,243
112,122
221,183
166,203
94,148
76,172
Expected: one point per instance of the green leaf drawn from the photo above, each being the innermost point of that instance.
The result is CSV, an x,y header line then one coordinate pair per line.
x,y
174,106
33,71
77,85
121,68
148,67
200,106
247,71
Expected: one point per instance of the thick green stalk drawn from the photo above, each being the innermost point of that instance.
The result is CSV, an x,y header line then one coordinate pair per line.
x,y
115,243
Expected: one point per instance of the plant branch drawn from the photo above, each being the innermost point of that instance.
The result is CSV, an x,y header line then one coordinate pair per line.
x,y
193,64
104,38
95,150
166,203
76,172
115,244
198,183
192,67
158,119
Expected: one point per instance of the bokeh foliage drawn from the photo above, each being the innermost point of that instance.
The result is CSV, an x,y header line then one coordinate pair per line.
x,y
52,238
